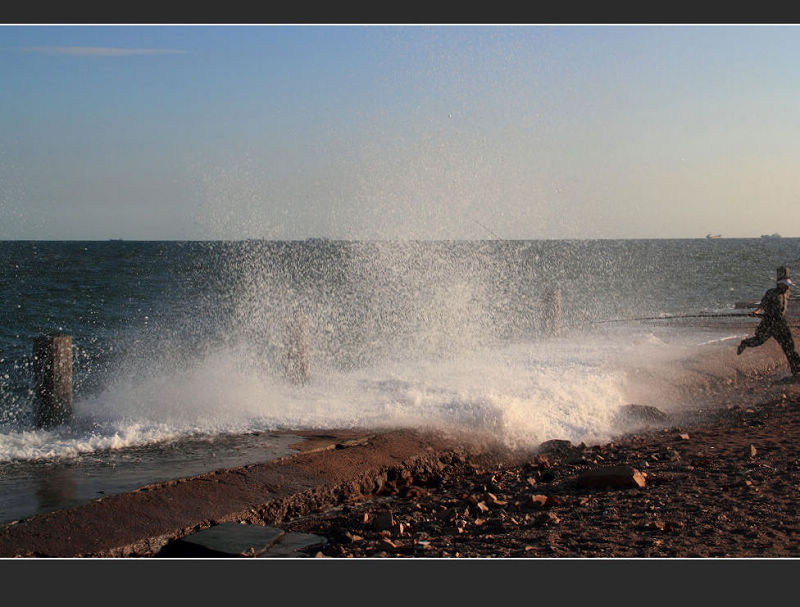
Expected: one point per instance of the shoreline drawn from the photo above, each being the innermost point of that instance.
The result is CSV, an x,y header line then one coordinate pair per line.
x,y
725,487
456,496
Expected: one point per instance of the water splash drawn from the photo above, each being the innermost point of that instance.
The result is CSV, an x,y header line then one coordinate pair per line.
x,y
401,334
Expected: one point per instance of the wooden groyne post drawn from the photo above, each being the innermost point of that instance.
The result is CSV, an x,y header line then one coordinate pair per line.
x,y
52,368
551,325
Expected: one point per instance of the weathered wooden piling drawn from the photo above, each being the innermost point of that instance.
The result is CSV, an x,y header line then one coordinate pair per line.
x,y
52,367
551,315
297,363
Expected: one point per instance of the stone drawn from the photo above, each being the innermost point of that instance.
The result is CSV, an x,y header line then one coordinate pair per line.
x,y
555,445
383,521
537,501
548,476
227,540
352,538
494,501
617,477
753,451
547,518
642,413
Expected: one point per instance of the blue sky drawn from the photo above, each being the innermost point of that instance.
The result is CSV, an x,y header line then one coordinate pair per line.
x,y
292,131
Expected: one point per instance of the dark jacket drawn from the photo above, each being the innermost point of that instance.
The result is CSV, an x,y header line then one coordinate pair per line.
x,y
773,306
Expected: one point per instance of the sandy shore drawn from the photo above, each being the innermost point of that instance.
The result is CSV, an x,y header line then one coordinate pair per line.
x,y
721,482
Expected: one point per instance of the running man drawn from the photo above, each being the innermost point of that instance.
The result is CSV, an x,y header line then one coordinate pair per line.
x,y
772,311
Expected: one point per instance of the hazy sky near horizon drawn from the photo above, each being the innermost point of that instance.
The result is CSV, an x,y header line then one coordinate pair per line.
x,y
293,131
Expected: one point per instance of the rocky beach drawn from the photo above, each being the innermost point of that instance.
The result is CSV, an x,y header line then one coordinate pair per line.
x,y
720,481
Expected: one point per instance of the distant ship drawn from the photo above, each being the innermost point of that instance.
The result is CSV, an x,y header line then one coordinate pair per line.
x,y
775,235
713,235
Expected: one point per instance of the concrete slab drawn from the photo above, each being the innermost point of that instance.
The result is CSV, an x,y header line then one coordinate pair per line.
x,y
157,515
292,545
227,540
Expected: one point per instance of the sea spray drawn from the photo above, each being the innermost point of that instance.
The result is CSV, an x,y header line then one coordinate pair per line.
x,y
174,340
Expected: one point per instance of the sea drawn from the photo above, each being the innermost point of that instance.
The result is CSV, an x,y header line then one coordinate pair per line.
x,y
180,348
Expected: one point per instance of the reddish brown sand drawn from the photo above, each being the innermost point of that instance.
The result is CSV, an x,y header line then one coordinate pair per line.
x,y
722,489
722,485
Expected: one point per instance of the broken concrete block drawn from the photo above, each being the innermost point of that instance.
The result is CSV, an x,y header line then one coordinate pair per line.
x,y
227,540
292,545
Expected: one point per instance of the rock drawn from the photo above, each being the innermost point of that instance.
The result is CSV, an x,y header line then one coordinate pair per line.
x,y
683,436
385,541
537,501
547,518
555,445
492,499
383,521
642,413
352,538
753,451
617,477
547,476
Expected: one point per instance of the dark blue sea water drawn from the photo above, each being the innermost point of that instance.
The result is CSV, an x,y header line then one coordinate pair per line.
x,y
177,342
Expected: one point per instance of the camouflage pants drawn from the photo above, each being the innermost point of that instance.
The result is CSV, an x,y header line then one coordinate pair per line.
x,y
783,335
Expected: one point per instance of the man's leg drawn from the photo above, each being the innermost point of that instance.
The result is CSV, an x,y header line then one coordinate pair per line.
x,y
783,335
762,335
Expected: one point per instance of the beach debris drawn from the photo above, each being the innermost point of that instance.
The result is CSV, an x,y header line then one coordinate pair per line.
x,y
352,537
617,477
547,476
537,501
383,521
547,518
752,451
684,436
492,499
482,507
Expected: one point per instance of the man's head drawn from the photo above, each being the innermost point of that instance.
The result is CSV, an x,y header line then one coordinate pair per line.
x,y
784,284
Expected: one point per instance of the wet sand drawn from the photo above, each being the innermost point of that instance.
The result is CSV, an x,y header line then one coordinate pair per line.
x,y
720,480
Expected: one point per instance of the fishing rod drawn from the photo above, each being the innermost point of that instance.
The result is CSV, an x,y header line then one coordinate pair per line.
x,y
707,315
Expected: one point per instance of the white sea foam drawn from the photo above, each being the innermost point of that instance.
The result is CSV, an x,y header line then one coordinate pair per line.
x,y
521,393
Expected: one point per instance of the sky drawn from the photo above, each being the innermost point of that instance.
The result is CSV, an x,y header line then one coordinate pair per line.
x,y
196,132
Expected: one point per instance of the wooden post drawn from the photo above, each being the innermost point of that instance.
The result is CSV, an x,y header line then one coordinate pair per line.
x,y
297,347
52,367
551,325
